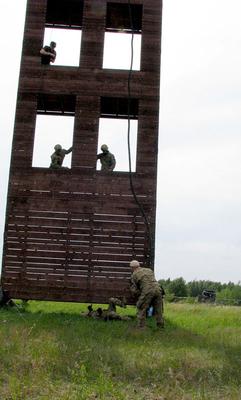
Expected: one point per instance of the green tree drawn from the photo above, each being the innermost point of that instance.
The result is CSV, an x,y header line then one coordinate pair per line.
x,y
195,288
230,295
178,287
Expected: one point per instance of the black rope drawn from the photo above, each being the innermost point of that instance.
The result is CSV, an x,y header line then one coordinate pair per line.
x,y
150,240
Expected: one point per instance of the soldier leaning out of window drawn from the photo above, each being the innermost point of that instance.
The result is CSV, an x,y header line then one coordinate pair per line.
x,y
107,159
57,157
48,54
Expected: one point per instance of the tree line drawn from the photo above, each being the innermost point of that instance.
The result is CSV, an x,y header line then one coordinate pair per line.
x,y
226,293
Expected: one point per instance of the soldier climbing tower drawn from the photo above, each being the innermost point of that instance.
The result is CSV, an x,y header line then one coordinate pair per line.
x,y
71,233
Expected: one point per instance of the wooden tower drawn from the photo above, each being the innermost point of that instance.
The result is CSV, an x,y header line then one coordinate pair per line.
x,y
71,233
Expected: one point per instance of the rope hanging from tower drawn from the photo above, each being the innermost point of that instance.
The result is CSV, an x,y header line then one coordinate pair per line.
x,y
147,223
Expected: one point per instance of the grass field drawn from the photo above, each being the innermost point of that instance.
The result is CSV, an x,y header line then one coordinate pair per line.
x,y
50,352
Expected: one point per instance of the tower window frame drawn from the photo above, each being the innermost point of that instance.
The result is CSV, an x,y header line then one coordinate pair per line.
x,y
51,128
63,25
66,14
123,31
118,17
113,128
119,107
55,104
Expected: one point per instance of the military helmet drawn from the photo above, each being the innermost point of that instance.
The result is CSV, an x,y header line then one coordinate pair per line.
x,y
104,147
58,147
134,264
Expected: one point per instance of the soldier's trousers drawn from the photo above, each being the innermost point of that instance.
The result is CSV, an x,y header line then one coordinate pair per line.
x,y
144,302
113,302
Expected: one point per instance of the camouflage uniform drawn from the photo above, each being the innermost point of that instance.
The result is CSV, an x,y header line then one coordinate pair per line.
x,y
110,313
114,301
96,314
106,158
57,157
145,286
88,313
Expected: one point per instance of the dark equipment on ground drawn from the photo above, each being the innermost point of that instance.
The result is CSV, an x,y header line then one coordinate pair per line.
x,y
207,296
5,299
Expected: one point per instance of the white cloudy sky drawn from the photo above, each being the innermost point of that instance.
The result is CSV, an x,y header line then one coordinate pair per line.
x,y
199,177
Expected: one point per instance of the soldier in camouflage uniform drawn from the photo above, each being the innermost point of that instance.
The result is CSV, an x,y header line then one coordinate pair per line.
x,y
148,291
57,157
108,314
88,313
106,158
114,301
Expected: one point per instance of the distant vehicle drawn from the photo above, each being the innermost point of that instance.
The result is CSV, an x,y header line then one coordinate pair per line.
x,y
207,296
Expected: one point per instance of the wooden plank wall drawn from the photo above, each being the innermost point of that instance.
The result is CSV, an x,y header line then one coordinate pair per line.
x,y
70,234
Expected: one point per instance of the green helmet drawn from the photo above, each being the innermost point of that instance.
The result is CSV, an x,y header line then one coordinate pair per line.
x,y
104,147
58,147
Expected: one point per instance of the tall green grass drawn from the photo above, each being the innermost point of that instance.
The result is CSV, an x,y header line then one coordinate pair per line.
x,y
49,351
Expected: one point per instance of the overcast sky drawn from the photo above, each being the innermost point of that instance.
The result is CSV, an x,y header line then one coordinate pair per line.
x,y
199,176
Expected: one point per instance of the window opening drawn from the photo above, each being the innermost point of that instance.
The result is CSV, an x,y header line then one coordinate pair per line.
x,y
118,17
63,26
118,107
64,14
49,131
117,51
112,132
118,36
53,104
54,125
68,45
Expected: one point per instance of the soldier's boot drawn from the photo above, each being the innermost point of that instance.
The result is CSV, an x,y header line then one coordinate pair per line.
x,y
125,318
141,317
123,302
141,323
141,327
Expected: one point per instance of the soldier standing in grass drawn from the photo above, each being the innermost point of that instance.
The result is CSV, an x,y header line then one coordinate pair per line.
x,y
148,291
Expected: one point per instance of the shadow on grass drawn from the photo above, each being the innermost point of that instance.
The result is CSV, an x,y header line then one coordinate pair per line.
x,y
119,350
